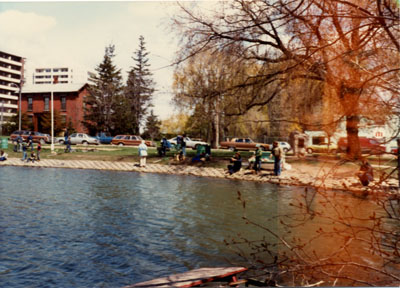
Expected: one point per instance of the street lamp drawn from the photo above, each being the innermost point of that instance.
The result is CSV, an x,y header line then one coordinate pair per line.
x,y
19,102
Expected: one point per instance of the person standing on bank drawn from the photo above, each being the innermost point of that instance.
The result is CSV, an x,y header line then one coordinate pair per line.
x,y
257,161
24,153
278,154
39,148
183,143
142,154
30,141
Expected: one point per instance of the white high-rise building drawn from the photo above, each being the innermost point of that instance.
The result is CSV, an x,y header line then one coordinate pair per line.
x,y
11,76
63,74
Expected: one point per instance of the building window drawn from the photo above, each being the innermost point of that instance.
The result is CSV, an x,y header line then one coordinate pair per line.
x,y
48,70
63,103
64,70
55,70
30,104
46,104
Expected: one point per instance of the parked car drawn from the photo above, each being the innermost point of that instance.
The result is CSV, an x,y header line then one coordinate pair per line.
x,y
368,145
132,140
285,146
190,143
322,148
36,136
104,137
243,144
82,138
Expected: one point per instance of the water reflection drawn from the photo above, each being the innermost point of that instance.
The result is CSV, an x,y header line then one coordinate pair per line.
x,y
82,228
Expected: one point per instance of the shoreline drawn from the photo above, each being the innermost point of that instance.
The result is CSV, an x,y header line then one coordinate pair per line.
x,y
297,176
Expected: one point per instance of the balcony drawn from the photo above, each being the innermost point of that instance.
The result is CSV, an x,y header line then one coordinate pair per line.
x,y
9,79
11,88
8,70
9,61
10,97
8,106
6,114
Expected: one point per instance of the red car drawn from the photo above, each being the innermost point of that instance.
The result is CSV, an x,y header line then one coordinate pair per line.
x,y
368,145
131,140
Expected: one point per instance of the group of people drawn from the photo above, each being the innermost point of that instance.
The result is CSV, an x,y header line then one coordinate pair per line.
x,y
23,146
277,154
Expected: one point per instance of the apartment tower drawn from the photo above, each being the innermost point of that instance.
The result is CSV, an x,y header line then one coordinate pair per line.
x,y
64,75
11,76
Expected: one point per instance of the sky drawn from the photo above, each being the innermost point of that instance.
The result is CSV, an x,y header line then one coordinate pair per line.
x,y
75,34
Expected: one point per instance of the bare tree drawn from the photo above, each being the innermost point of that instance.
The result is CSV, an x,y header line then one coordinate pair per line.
x,y
350,46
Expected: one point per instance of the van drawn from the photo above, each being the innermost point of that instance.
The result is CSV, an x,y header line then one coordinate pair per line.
x,y
367,145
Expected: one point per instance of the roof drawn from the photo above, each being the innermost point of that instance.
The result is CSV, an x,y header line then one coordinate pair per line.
x,y
47,88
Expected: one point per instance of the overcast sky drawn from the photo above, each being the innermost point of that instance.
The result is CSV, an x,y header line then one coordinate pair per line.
x,y
75,34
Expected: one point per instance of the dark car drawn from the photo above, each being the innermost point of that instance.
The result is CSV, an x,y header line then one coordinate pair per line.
x,y
367,145
36,136
104,137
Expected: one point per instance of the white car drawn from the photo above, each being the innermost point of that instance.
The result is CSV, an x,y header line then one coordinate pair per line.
x,y
285,146
80,138
189,142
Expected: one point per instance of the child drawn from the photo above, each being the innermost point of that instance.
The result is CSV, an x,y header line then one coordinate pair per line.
x,y
32,157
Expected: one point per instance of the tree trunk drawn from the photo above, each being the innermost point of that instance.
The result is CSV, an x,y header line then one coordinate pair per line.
x,y
353,142
217,124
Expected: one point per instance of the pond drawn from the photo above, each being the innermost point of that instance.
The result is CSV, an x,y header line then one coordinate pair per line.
x,y
87,228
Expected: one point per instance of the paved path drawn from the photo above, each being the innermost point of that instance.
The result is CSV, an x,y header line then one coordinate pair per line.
x,y
293,177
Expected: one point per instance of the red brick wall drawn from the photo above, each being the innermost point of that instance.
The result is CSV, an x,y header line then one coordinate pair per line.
x,y
74,106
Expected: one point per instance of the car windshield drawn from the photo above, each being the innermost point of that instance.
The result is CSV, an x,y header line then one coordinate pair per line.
x,y
73,135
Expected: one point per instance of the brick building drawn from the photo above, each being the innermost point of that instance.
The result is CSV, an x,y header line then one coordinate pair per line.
x,y
68,101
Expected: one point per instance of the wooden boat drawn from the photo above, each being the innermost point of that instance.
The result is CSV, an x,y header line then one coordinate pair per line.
x,y
193,278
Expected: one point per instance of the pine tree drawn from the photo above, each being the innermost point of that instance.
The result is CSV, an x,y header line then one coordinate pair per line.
x,y
106,87
140,86
152,129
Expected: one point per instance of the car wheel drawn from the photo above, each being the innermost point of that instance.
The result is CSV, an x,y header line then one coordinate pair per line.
x,y
231,148
195,146
85,143
285,150
310,150
61,142
42,141
121,144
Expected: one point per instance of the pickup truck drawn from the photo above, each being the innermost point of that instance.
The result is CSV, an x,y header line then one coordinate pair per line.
x,y
243,144
104,137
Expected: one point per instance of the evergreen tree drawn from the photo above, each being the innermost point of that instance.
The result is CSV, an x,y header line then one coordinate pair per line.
x,y
152,129
106,87
140,86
